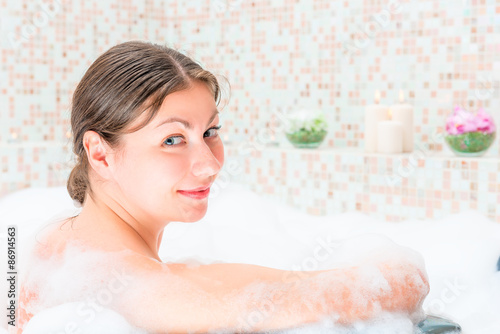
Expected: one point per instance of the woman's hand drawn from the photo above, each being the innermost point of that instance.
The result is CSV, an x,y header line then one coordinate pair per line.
x,y
409,287
363,292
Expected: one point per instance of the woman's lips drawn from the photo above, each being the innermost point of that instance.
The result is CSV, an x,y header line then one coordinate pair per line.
x,y
196,194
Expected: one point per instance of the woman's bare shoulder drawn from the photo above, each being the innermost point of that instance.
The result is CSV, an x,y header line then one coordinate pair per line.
x,y
48,241
54,239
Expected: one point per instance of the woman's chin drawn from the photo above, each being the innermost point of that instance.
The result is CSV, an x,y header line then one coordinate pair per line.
x,y
191,219
192,215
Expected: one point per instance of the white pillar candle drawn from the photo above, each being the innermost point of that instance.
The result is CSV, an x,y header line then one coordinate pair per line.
x,y
389,137
374,113
403,113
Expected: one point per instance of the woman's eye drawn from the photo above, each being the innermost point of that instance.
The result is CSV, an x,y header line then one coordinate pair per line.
x,y
171,140
215,128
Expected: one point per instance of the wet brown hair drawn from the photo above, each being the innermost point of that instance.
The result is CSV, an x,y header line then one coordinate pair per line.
x,y
124,82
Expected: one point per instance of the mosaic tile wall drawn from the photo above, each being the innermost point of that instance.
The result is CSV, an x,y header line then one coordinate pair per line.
x,y
323,54
389,187
33,165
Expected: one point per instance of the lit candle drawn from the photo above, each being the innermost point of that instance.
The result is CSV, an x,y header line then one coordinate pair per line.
x,y
13,137
374,113
403,112
389,137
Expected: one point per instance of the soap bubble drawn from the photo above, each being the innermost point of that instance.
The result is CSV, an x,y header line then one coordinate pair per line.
x,y
67,318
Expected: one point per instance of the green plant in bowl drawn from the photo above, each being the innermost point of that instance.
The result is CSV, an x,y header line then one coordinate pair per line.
x,y
470,144
470,134
306,131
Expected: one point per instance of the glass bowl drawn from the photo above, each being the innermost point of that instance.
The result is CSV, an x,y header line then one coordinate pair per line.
x,y
306,128
470,144
306,139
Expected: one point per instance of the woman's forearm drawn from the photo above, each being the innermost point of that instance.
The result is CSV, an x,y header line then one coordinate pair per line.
x,y
278,304
250,298
247,298
277,299
296,299
299,298
343,295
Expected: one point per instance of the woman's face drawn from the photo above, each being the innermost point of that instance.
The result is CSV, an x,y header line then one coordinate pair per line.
x,y
166,156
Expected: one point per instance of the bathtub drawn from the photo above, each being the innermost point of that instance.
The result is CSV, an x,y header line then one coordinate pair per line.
x,y
460,251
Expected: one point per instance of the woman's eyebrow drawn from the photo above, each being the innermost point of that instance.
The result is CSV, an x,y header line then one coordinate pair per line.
x,y
184,122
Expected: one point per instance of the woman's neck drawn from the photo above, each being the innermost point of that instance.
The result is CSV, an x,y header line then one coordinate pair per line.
x,y
108,217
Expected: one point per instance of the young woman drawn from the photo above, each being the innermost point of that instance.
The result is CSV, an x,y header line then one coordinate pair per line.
x,y
144,120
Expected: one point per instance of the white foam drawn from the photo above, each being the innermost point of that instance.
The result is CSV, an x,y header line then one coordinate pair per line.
x,y
387,323
241,227
72,318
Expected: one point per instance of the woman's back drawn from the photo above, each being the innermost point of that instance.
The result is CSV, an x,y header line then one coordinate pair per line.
x,y
61,257
70,263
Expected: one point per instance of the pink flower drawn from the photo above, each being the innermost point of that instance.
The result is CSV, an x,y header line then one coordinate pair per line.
x,y
462,121
484,121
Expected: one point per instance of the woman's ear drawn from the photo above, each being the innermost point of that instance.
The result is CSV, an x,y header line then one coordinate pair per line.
x,y
98,153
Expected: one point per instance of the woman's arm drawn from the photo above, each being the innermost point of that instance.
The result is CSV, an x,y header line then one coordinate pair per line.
x,y
249,298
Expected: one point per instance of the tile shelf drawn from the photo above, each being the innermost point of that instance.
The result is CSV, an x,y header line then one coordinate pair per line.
x,y
333,180
488,157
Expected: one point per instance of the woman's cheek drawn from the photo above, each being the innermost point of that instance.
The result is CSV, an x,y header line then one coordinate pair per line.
x,y
175,167
219,154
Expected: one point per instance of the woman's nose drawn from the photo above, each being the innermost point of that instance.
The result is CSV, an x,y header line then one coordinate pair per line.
x,y
205,162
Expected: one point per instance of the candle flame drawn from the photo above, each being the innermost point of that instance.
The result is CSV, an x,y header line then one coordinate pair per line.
x,y
377,96
389,112
401,96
